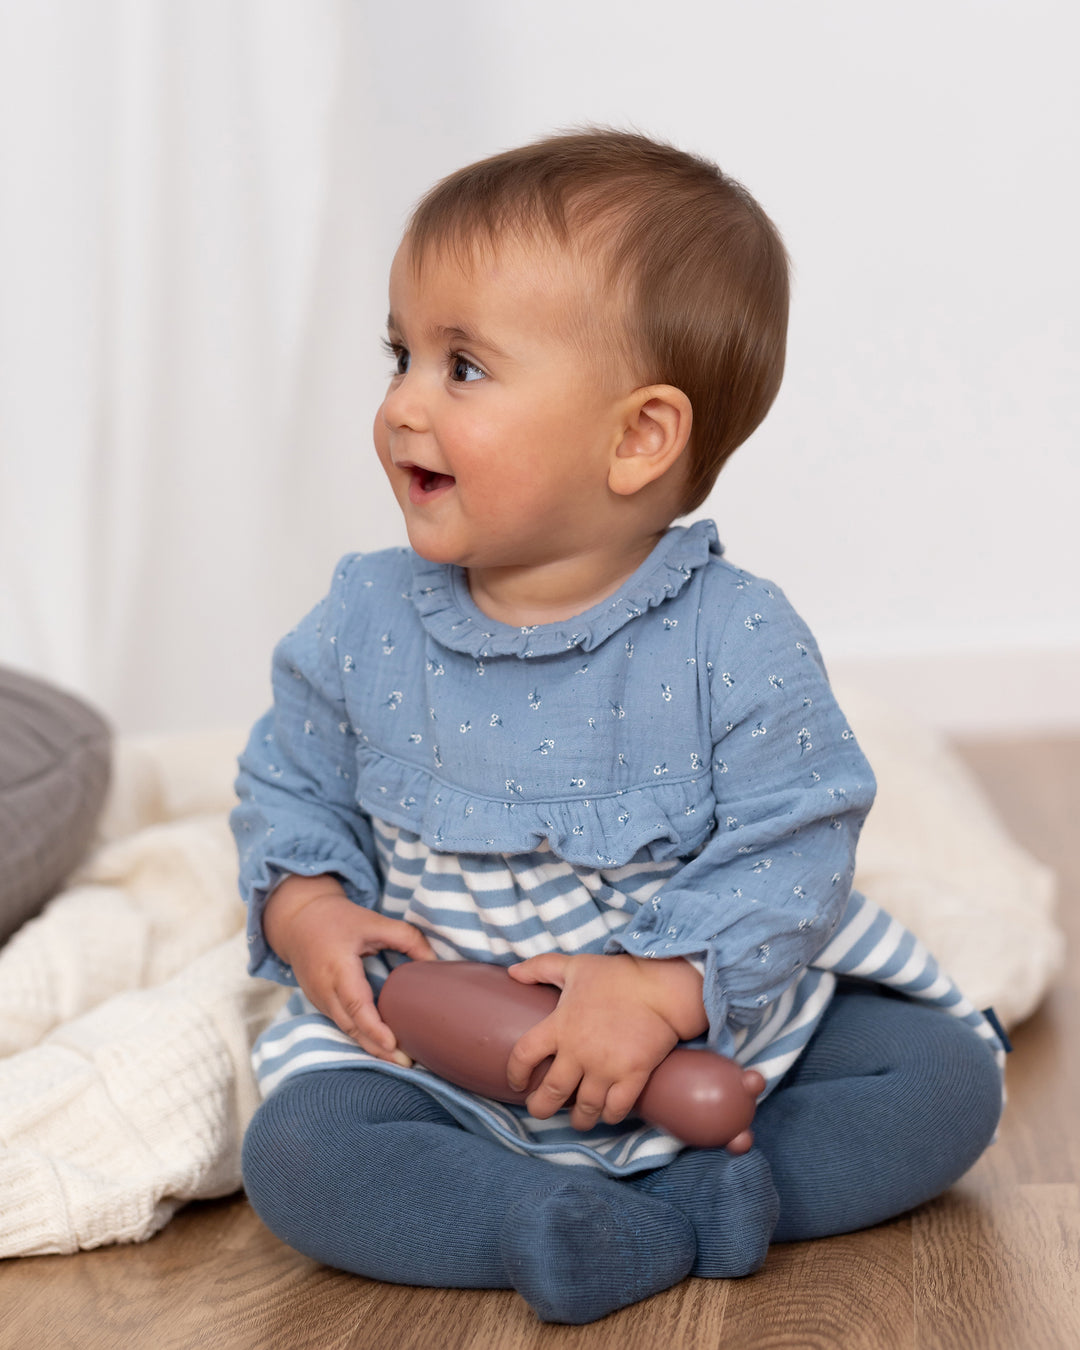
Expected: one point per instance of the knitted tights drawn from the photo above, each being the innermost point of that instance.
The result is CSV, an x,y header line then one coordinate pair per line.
x,y
890,1103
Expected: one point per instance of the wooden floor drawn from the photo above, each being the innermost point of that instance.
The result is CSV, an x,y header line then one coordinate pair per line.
x,y
993,1265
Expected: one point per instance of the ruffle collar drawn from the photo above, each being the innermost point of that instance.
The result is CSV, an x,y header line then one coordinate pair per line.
x,y
441,596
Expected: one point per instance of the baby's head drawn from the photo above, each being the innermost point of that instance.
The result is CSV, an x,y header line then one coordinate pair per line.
x,y
684,277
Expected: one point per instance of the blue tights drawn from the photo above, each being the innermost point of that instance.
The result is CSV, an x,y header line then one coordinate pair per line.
x,y
890,1103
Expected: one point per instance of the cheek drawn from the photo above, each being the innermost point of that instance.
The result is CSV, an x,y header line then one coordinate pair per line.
x,y
381,436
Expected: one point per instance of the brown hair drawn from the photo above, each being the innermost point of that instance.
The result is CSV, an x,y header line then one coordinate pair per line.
x,y
702,267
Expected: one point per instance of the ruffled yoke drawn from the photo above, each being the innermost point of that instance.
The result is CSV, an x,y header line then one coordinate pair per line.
x,y
500,738
441,596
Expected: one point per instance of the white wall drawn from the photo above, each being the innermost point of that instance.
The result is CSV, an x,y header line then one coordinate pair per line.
x,y
915,488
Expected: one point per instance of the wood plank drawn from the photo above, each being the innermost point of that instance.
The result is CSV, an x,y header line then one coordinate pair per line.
x,y
999,1271
852,1292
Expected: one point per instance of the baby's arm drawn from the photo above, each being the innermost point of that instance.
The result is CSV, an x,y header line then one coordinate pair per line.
x,y
308,860
766,892
617,1018
312,924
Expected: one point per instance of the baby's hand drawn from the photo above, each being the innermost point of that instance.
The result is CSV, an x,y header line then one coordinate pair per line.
x,y
312,924
617,1018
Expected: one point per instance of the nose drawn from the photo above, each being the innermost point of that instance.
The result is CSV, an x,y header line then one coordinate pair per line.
x,y
403,408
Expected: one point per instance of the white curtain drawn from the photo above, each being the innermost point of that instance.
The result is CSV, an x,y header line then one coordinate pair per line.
x,y
175,178
198,204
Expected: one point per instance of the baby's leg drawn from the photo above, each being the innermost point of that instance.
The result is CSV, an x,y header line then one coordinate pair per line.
x,y
891,1103
368,1173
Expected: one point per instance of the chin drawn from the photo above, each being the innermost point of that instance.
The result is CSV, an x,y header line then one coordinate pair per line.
x,y
431,550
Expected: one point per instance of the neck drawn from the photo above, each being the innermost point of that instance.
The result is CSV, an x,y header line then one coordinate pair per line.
x,y
554,591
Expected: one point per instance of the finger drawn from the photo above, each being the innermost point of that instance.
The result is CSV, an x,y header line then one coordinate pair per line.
x,y
753,1082
555,1091
547,969
622,1097
589,1103
530,1050
361,1021
399,936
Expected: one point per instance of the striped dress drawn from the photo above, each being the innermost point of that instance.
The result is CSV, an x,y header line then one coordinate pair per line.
x,y
506,909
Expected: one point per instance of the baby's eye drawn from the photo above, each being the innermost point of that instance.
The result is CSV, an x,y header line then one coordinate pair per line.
x,y
398,354
464,371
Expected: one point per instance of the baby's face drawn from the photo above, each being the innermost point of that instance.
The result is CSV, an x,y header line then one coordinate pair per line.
x,y
499,424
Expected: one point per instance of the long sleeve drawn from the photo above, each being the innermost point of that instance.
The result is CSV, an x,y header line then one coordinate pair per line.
x,y
792,790
297,812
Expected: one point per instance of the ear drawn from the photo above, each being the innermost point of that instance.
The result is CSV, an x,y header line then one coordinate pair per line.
x,y
656,428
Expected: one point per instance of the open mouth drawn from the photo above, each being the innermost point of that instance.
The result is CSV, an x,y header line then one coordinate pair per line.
x,y
426,482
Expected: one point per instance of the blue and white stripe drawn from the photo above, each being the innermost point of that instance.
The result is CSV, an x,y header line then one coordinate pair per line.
x,y
505,908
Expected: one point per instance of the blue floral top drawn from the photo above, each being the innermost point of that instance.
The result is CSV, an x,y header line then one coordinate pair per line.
x,y
667,774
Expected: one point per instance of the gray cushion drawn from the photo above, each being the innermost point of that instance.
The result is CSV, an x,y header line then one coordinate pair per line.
x,y
54,771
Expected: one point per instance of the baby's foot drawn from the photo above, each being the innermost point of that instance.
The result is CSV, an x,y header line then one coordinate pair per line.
x,y
582,1250
731,1202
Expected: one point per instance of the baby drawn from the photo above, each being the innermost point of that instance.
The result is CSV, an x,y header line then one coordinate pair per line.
x,y
563,735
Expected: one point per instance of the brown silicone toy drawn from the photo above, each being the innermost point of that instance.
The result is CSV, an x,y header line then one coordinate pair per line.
x,y
461,1019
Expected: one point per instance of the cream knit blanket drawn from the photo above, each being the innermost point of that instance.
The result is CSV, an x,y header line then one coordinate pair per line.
x,y
127,1018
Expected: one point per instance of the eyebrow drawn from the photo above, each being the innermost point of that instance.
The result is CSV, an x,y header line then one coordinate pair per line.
x,y
455,335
